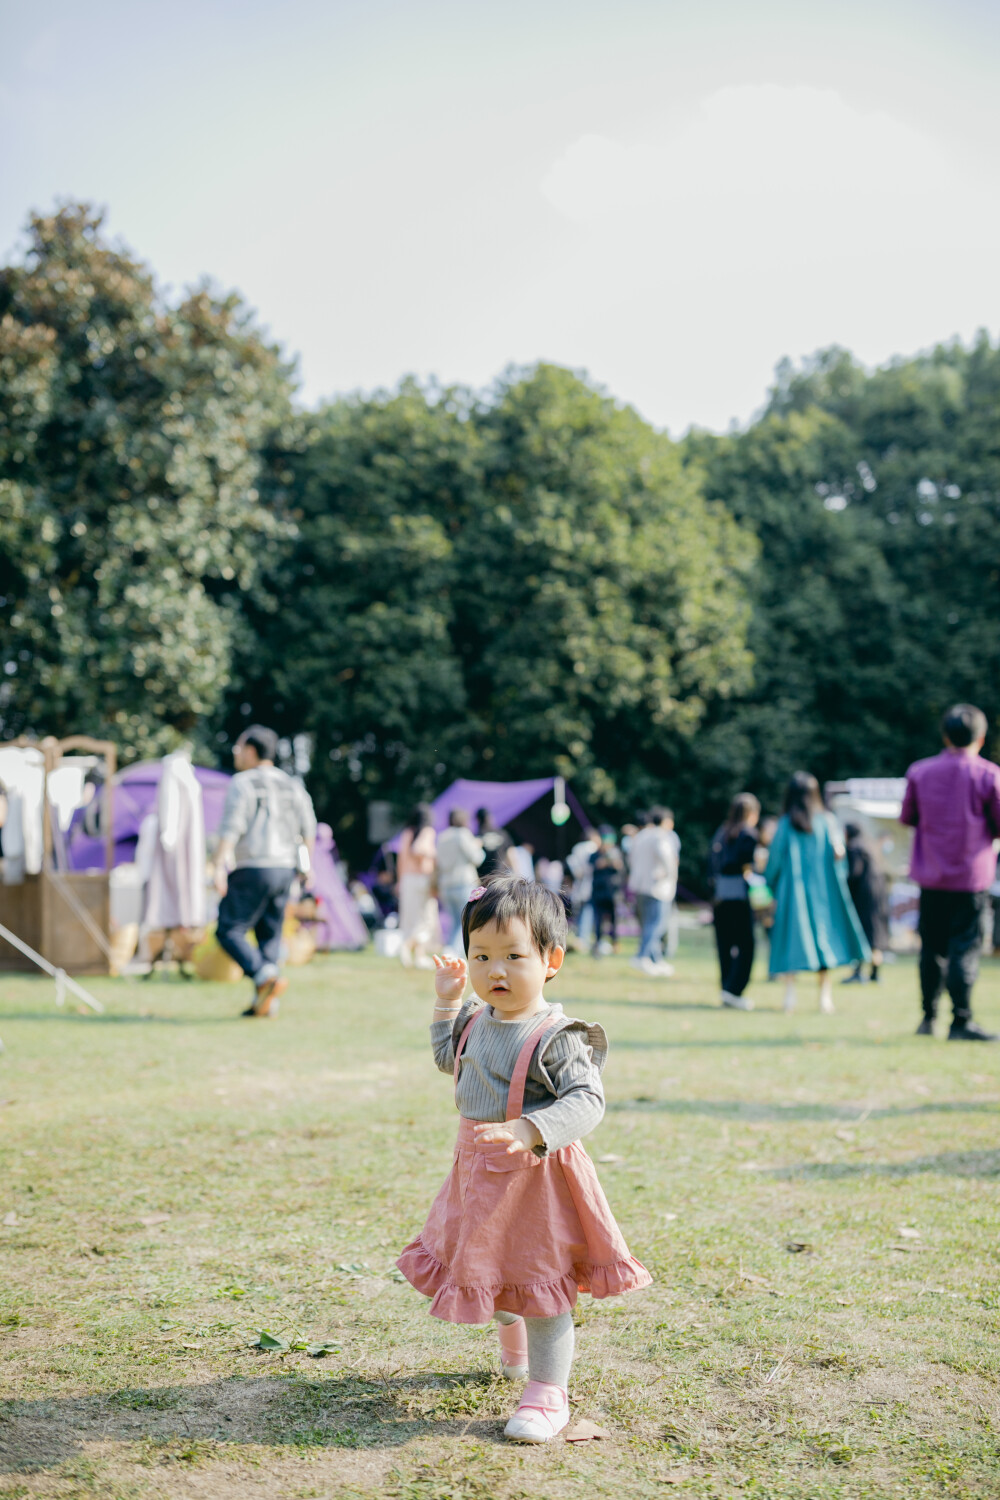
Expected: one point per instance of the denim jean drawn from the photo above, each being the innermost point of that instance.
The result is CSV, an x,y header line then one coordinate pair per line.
x,y
649,910
254,899
453,899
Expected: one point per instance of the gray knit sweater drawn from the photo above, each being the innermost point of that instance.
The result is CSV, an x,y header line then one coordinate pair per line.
x,y
562,1093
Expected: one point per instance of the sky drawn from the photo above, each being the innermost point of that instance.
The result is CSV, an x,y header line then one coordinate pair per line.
x,y
670,197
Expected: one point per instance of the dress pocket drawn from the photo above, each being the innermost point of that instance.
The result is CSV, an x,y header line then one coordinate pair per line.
x,y
519,1161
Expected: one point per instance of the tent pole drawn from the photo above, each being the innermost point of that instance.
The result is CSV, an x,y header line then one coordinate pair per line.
x,y
62,979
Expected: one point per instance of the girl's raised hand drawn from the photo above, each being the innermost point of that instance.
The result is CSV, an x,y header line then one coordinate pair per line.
x,y
450,975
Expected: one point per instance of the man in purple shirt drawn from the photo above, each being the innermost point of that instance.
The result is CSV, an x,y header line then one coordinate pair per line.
x,y
953,802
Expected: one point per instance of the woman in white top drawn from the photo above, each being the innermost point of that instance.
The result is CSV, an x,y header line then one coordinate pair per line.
x,y
415,865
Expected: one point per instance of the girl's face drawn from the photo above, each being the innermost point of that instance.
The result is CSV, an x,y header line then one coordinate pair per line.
x,y
507,970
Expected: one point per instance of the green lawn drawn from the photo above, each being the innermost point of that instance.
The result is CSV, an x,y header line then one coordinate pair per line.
x,y
816,1197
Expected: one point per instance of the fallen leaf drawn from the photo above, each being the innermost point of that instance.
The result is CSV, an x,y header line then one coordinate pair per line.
x,y
844,1135
584,1431
192,1346
906,1233
799,1247
610,1159
669,1217
150,1219
10,1220
268,1341
844,1302
318,1351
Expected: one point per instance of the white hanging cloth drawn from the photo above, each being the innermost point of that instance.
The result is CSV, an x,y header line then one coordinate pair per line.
x,y
22,771
175,894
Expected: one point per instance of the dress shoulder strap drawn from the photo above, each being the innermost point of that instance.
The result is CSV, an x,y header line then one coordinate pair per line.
x,y
515,1094
464,1038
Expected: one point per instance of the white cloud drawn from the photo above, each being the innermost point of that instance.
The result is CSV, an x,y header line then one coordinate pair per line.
x,y
764,154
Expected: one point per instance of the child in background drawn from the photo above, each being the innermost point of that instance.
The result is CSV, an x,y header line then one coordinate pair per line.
x,y
521,1225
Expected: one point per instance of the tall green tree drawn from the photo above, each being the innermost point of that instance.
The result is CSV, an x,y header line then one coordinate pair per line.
x,y
351,641
876,499
131,438
506,587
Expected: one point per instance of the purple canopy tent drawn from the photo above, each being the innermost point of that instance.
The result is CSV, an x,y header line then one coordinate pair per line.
x,y
523,807
135,796
341,924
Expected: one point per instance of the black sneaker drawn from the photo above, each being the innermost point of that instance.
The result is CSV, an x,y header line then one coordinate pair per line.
x,y
971,1031
926,1027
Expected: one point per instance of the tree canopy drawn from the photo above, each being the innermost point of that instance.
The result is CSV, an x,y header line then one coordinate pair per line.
x,y
508,586
132,436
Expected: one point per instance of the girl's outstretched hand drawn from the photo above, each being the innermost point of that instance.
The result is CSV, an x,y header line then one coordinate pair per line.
x,y
521,1134
450,975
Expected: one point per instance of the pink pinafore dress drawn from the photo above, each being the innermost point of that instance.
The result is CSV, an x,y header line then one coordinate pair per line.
x,y
519,1233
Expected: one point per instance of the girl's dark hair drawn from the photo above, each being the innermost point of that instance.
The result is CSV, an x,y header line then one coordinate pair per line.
x,y
506,899
484,821
803,801
742,807
420,817
458,818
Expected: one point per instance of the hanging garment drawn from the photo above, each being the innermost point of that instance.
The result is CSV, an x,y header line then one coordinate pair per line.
x,y
22,771
175,894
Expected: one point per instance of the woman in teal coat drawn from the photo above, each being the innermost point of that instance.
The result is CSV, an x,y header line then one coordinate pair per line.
x,y
815,924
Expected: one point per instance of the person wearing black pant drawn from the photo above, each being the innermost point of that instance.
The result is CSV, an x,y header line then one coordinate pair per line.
x,y
732,855
953,802
866,884
607,865
267,821
950,938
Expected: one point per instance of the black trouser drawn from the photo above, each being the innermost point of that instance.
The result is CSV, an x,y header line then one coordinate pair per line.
x,y
734,940
257,899
950,938
604,912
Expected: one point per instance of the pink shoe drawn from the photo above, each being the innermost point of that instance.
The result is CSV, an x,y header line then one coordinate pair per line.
x,y
513,1350
543,1412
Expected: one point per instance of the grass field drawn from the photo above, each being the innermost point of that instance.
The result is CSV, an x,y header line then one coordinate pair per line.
x,y
816,1197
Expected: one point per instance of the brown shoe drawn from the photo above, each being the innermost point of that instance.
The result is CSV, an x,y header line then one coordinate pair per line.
x,y
269,995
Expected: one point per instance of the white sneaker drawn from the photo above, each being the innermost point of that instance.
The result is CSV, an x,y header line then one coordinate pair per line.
x,y
663,969
543,1412
736,1002
826,1003
648,966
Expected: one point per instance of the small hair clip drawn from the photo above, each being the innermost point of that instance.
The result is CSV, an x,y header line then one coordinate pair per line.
x,y
479,891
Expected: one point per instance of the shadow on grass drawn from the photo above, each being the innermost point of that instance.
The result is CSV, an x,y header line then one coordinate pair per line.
x,y
948,1163
184,1423
748,1109
735,1042
137,1018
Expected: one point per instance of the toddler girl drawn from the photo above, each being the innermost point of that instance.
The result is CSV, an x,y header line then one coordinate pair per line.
x,y
521,1224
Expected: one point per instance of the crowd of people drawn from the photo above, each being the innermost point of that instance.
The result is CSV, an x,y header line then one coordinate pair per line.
x,y
811,890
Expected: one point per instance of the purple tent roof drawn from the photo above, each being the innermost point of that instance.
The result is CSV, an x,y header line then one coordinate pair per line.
x,y
503,799
135,796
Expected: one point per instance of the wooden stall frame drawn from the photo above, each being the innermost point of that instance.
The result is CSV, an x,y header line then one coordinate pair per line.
x,y
54,884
